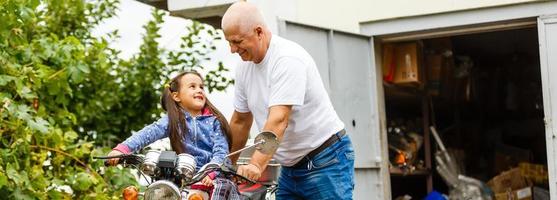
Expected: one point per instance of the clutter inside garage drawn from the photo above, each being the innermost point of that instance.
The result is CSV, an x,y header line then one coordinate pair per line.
x,y
481,94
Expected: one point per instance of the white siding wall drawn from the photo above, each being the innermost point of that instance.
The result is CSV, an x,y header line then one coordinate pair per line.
x,y
345,15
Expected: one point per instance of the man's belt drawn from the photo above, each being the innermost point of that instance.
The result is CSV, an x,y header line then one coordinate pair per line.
x,y
332,140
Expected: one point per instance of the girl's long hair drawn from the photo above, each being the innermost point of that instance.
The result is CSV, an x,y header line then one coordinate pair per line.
x,y
177,126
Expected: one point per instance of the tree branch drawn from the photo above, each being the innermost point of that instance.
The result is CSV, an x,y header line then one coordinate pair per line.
x,y
71,156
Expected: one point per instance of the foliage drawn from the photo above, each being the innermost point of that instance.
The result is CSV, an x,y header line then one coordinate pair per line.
x,y
60,88
46,58
194,50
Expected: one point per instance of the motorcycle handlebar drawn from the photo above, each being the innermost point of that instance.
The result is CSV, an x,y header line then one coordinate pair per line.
x,y
134,159
210,167
122,159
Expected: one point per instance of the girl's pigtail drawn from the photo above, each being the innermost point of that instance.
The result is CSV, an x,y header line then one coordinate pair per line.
x,y
175,117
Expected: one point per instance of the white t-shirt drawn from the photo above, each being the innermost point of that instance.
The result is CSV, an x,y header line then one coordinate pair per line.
x,y
288,76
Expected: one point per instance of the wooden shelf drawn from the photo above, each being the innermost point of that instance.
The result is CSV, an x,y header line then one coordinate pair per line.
x,y
399,172
407,87
411,101
403,94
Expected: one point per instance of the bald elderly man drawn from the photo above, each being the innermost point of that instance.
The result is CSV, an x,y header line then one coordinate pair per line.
x,y
278,84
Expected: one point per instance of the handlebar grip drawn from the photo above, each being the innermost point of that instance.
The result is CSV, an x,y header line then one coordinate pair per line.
x,y
108,158
106,163
233,168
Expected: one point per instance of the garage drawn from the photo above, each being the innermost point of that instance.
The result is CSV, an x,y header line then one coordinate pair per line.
x,y
482,78
483,93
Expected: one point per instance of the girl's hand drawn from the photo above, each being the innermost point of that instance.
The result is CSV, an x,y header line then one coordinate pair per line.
x,y
207,181
114,161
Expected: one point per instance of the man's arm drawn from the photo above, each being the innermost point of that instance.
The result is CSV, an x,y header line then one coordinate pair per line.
x,y
240,124
277,121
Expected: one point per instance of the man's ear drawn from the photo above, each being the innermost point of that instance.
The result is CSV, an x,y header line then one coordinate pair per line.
x,y
258,31
175,96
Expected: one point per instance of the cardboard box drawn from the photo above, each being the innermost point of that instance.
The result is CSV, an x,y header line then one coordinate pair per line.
x,y
534,173
406,63
510,185
388,63
520,194
400,63
508,180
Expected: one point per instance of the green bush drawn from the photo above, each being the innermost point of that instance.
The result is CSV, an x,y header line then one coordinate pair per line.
x,y
66,96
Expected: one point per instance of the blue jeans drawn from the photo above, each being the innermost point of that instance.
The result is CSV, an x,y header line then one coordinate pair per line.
x,y
329,175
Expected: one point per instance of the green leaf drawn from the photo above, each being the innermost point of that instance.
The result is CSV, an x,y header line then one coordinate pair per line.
x,y
26,93
39,181
44,71
14,175
75,74
34,3
70,136
20,194
83,181
55,194
39,124
27,14
5,97
84,68
5,79
3,180
23,112
54,88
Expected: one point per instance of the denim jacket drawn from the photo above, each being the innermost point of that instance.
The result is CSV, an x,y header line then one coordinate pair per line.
x,y
204,141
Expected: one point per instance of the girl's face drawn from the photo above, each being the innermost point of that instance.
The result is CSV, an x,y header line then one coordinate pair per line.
x,y
191,95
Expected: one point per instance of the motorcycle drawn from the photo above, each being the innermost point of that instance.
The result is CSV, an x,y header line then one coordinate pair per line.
x,y
173,176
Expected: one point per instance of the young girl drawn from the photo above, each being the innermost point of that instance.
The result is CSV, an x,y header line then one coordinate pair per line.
x,y
193,124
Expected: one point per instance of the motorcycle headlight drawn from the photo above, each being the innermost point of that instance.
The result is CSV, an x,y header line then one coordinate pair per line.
x,y
149,165
162,190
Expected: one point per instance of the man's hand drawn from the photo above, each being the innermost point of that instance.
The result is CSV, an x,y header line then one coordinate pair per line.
x,y
277,121
250,171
